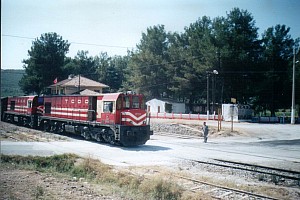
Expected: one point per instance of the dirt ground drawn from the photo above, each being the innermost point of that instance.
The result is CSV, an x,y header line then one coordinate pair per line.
x,y
17,133
23,184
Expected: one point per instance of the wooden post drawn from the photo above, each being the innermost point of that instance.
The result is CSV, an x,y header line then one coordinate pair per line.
x,y
219,119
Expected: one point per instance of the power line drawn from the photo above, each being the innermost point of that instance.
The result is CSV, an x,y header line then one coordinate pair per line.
x,y
80,43
101,45
16,36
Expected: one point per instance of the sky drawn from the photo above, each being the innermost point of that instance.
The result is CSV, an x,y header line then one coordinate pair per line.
x,y
115,26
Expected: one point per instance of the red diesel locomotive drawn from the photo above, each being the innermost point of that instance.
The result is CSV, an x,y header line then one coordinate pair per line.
x,y
116,118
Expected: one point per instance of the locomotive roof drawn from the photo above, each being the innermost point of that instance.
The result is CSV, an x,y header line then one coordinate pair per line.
x,y
111,96
27,96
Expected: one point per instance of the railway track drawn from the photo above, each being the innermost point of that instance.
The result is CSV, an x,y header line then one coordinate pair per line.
x,y
206,188
219,191
263,173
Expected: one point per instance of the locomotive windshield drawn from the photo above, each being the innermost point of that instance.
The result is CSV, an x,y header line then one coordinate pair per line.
x,y
130,101
126,102
135,102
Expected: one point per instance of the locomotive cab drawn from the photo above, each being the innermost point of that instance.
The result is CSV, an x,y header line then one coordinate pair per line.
x,y
126,116
123,109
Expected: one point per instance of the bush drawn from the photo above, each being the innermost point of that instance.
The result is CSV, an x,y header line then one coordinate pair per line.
x,y
158,188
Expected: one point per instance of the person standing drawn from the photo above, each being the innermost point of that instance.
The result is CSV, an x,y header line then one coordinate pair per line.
x,y
205,131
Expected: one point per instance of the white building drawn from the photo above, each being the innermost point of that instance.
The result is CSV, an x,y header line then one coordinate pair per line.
x,y
165,106
238,112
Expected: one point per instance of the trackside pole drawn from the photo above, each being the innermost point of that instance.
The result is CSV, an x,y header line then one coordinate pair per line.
x,y
232,111
219,120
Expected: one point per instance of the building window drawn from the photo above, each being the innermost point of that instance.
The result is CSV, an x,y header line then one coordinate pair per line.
x,y
168,108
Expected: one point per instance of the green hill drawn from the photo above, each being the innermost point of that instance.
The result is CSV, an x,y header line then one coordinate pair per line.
x,y
10,82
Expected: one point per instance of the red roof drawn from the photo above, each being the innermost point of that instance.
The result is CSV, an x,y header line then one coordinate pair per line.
x,y
84,82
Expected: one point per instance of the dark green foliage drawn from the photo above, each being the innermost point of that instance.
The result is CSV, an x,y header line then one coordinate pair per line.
x,y
45,62
81,64
238,51
111,70
147,69
10,82
277,53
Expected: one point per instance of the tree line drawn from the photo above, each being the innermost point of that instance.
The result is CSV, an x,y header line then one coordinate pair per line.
x,y
253,69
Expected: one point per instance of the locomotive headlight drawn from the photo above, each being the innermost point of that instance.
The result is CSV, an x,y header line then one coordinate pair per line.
x,y
129,133
144,122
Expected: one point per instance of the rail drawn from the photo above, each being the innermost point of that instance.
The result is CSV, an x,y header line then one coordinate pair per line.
x,y
276,175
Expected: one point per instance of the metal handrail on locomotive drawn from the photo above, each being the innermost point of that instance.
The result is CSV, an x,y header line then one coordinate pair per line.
x,y
115,118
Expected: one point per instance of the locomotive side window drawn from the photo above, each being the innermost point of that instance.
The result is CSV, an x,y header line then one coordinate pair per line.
x,y
47,107
126,102
135,102
29,104
107,106
143,104
119,103
12,105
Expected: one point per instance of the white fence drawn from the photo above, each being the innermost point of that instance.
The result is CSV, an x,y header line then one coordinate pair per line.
x,y
183,116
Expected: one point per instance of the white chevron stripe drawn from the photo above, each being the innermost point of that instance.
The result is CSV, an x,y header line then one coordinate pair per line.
x,y
134,123
133,116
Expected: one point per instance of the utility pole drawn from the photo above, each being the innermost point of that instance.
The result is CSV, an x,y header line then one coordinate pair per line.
x,y
293,90
79,83
207,99
214,72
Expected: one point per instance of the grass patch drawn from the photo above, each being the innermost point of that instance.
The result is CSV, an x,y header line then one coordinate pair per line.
x,y
39,192
58,163
119,183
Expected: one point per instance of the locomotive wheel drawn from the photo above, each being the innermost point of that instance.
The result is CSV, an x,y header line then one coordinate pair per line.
x,y
85,134
46,126
111,138
99,138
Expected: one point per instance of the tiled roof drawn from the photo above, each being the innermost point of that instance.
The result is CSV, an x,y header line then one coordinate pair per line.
x,y
89,92
84,82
